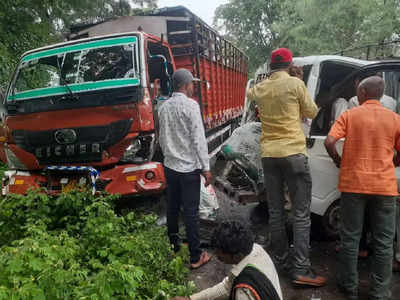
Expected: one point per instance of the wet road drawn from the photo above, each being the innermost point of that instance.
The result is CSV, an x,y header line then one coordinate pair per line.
x,y
323,257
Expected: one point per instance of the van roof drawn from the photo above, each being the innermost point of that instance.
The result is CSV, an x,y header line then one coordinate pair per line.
x,y
317,59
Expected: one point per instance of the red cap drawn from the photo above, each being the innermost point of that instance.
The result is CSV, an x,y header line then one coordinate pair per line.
x,y
281,55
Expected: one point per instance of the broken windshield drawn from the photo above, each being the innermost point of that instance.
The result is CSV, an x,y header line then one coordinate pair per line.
x,y
95,65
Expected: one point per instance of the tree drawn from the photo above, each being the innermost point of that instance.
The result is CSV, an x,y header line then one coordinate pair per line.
x,y
308,27
249,24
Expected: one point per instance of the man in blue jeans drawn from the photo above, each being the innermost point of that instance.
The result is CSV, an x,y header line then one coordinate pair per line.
x,y
184,145
283,101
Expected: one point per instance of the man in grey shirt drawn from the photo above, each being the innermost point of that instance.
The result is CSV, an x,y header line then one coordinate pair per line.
x,y
184,145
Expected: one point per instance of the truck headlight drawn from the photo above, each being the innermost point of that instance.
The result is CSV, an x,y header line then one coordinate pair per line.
x,y
131,151
13,161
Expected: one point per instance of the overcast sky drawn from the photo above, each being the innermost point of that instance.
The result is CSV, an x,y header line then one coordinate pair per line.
x,y
203,8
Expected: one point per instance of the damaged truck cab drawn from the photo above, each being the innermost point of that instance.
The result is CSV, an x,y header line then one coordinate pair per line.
x,y
83,113
79,107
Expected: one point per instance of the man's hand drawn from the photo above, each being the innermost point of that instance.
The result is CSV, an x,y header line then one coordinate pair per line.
x,y
330,145
180,298
208,177
337,160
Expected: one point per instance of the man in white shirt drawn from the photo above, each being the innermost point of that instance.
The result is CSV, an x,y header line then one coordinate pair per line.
x,y
339,106
184,145
253,275
386,100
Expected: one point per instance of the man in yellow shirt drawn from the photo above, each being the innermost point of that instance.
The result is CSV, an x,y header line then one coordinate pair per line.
x,y
283,101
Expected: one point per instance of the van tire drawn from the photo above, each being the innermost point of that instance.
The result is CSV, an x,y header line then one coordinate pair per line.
x,y
331,220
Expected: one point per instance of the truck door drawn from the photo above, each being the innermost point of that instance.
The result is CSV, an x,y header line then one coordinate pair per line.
x,y
160,69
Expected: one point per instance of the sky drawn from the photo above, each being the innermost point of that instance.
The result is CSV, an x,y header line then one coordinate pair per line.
x,y
203,8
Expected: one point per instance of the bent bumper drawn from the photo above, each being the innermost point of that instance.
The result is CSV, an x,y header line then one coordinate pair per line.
x,y
126,180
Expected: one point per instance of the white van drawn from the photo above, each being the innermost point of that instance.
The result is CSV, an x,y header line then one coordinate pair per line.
x,y
327,78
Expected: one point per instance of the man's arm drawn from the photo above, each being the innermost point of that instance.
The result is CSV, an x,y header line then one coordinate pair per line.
x,y
337,132
330,145
221,290
308,107
200,142
251,93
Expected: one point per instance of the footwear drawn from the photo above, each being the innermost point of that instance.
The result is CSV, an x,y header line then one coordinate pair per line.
x,y
361,253
204,258
348,294
308,278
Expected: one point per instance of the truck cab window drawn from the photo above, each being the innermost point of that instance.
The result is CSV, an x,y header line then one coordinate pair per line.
x,y
40,75
159,67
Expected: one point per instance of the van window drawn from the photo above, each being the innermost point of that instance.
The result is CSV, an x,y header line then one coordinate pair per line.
x,y
331,75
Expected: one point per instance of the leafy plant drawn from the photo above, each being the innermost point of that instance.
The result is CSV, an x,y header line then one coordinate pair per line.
x,y
74,246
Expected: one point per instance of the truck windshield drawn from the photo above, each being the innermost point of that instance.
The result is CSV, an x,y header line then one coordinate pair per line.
x,y
82,67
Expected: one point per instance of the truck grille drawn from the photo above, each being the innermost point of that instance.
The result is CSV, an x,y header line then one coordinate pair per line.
x,y
88,144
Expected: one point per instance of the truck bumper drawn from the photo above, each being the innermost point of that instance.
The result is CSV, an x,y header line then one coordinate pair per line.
x,y
131,180
126,180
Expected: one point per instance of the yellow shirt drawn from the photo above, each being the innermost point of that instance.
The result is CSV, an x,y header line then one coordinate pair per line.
x,y
282,101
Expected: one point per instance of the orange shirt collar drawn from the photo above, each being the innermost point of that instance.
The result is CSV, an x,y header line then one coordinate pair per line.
x,y
373,102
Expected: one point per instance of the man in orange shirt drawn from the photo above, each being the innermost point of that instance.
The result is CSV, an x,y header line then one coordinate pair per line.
x,y
367,178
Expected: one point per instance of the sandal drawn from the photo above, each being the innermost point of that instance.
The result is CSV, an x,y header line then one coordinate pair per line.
x,y
204,258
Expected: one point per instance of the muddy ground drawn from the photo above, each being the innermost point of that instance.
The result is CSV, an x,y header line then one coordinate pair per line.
x,y
323,256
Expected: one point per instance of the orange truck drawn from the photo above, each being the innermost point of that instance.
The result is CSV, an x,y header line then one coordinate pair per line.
x,y
84,112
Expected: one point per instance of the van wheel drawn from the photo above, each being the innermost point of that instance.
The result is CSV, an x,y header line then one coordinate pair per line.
x,y
331,220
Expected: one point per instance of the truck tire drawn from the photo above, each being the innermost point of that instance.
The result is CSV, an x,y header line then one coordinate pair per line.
x,y
331,220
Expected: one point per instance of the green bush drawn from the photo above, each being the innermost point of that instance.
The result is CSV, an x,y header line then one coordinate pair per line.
x,y
74,246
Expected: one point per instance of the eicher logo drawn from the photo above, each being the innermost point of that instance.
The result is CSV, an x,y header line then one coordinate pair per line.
x,y
66,139
65,136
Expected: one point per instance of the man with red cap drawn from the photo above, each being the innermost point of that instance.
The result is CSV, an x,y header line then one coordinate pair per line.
x,y
283,101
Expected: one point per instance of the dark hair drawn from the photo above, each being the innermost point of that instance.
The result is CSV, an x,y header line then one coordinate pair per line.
x,y
176,85
282,65
232,237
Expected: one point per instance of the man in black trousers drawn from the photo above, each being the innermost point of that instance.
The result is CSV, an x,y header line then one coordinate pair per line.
x,y
184,145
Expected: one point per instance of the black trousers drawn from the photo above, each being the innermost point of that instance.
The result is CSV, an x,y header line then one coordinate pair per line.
x,y
183,189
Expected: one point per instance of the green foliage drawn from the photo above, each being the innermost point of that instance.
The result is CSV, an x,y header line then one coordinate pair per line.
x,y
75,247
309,27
